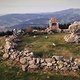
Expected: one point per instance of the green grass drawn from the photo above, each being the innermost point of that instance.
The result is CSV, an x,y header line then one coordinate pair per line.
x,y
41,47
2,41
15,73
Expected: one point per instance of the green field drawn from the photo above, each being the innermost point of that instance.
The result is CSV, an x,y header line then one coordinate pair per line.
x,y
42,47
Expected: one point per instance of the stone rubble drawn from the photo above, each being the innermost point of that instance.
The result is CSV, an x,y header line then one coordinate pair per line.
x,y
28,61
74,33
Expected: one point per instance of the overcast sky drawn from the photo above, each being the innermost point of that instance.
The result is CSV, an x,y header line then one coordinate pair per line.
x,y
36,6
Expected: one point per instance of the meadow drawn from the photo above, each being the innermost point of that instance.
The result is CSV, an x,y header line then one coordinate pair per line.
x,y
42,47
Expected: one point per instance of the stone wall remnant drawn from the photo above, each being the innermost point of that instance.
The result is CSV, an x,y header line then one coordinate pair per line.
x,y
28,61
54,25
74,33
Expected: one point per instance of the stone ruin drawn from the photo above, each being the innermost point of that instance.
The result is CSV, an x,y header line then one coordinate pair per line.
x,y
29,62
74,33
53,25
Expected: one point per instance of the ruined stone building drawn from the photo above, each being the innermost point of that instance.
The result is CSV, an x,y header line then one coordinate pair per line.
x,y
54,24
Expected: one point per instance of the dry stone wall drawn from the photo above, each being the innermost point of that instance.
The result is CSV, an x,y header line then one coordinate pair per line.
x,y
28,61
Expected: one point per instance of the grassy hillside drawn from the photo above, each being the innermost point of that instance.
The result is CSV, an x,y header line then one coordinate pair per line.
x,y
42,47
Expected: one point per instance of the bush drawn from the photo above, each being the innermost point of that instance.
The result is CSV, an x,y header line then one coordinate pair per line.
x,y
6,33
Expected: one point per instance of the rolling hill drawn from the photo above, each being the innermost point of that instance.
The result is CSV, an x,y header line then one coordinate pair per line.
x,y
23,20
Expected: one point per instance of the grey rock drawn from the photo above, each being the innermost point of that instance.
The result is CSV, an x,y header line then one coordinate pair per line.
x,y
23,60
48,60
24,67
43,64
42,60
74,67
58,58
37,60
32,61
5,56
29,58
12,56
74,35
49,64
32,66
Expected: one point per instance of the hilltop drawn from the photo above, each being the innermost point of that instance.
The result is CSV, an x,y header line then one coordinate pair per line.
x,y
42,47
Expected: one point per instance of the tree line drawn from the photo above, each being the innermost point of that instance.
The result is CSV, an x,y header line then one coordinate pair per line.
x,y
29,29
6,33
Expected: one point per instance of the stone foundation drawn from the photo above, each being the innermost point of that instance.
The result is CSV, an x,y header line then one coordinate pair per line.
x,y
28,61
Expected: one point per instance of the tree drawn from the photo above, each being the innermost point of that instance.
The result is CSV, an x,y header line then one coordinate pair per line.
x,y
29,29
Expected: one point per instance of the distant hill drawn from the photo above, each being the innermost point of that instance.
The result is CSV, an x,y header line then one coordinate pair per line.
x,y
23,20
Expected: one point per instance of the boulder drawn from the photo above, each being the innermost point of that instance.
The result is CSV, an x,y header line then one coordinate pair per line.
x,y
12,56
37,60
25,53
24,67
74,35
77,61
71,59
15,55
48,60
74,68
29,58
53,61
42,60
31,54
49,64
17,59
58,58
32,66
11,50
26,50
43,64
1,47
18,56
75,27
5,56
23,60
33,61
64,68
60,64
71,38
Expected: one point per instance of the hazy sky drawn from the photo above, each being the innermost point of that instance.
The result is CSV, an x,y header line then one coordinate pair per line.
x,y
36,6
